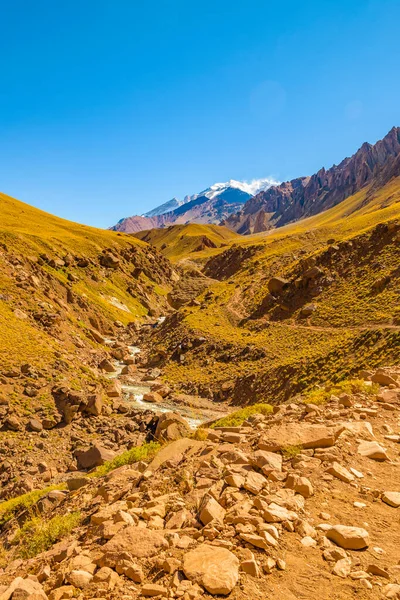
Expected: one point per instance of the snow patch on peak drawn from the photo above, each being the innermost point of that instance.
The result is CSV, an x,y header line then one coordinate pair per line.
x,y
252,187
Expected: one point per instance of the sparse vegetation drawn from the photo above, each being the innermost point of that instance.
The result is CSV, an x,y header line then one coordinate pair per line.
x,y
236,419
349,386
9,508
143,452
290,452
38,535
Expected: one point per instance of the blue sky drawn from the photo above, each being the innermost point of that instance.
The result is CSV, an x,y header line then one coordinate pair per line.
x,y
108,108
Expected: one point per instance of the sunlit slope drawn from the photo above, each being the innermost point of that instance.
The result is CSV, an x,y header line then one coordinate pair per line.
x,y
192,240
338,310
56,285
34,228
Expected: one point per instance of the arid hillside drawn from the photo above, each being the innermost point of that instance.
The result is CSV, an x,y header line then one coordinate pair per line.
x,y
304,304
190,241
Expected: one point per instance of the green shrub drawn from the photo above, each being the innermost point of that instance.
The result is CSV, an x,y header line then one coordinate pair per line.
x,y
235,419
348,386
37,535
290,452
26,501
143,452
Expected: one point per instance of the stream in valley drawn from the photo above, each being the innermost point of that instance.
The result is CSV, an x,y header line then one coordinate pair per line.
x,y
134,394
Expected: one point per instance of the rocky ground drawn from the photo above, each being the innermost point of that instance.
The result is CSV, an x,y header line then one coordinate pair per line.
x,y
301,503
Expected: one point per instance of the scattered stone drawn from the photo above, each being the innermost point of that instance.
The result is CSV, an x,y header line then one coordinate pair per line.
x,y
349,538
94,456
211,510
302,435
343,567
391,498
372,450
214,568
340,472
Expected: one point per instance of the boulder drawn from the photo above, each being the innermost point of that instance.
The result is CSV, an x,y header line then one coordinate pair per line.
x,y
79,579
12,423
134,542
373,451
153,397
349,538
170,427
152,590
211,510
107,366
304,435
95,456
23,588
383,378
114,390
340,472
276,284
342,568
214,568
391,498
94,405
35,425
362,429
267,461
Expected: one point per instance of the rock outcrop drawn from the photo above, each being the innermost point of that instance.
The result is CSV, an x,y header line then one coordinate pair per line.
x,y
307,196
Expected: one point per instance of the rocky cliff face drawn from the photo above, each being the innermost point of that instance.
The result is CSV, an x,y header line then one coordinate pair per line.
x,y
307,196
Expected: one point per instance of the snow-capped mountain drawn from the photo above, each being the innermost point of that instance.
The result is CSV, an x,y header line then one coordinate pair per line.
x,y
164,208
248,187
211,206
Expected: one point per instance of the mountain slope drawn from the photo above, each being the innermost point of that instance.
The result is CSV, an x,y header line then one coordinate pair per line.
x,y
164,208
333,310
185,241
307,196
61,280
209,206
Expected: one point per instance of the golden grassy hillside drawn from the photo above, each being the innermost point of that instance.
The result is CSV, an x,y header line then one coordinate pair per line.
x,y
193,240
54,287
261,346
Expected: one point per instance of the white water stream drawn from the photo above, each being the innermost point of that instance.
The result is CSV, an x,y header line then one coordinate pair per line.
x,y
134,394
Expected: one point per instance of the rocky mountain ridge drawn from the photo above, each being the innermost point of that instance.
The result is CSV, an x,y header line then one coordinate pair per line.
x,y
209,206
306,196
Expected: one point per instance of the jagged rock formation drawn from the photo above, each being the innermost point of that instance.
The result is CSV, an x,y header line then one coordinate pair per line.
x,y
306,196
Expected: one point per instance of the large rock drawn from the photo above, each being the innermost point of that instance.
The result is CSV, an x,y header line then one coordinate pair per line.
x,y
391,498
349,538
94,405
136,542
383,378
362,429
23,588
211,510
277,284
214,568
372,450
170,427
93,457
267,461
304,435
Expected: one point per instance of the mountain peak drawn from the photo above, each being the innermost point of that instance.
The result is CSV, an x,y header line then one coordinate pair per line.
x,y
209,206
372,164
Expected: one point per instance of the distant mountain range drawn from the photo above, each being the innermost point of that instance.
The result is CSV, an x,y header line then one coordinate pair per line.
x,y
372,165
210,206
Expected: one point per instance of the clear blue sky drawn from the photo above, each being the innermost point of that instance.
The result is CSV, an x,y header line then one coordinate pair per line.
x,y
109,107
